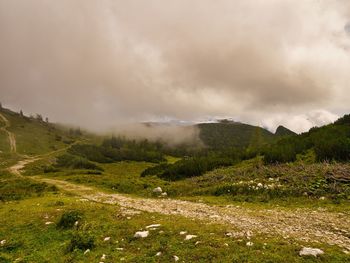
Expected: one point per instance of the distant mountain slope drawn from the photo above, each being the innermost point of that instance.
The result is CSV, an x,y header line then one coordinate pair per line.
x,y
233,134
283,131
32,135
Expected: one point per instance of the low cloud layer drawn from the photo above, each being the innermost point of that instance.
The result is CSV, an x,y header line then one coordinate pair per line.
x,y
101,63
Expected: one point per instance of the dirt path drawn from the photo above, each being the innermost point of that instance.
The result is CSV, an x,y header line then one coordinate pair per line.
x,y
300,224
11,136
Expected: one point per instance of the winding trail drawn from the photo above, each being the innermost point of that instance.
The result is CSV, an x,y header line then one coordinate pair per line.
x,y
11,135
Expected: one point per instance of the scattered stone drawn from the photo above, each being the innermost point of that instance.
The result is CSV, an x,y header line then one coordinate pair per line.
x,y
176,258
87,251
120,248
141,234
2,242
153,226
308,251
183,232
347,252
103,257
198,242
157,190
48,223
158,254
106,239
189,237
161,232
322,198
128,218
225,244
249,244
76,223
164,194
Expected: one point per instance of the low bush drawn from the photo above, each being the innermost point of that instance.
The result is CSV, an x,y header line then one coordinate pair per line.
x,y
82,241
69,218
74,162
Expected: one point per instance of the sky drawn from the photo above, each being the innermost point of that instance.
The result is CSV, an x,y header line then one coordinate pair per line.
x,y
101,63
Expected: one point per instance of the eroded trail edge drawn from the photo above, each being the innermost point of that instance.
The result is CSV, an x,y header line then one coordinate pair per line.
x,y
300,224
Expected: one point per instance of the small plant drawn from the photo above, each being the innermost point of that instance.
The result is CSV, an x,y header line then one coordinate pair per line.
x,y
69,218
82,241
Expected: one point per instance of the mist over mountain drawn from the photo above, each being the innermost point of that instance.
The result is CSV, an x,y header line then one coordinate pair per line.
x,y
98,64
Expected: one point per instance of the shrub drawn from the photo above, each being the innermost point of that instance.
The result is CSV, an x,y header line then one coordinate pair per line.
x,y
193,167
82,241
74,162
69,218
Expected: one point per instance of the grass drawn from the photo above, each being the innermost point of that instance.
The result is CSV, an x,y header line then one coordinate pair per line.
x,y
4,142
122,177
34,137
30,239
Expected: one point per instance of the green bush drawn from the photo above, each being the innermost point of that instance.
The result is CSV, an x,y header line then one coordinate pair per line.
x,y
74,162
193,167
69,218
82,241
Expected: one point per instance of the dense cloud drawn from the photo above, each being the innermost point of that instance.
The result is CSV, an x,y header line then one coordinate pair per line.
x,y
101,63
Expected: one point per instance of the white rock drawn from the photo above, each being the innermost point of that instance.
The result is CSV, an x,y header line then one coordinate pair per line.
x,y
48,223
87,251
225,244
3,242
164,194
176,258
189,237
153,226
198,242
183,232
347,252
158,254
141,234
107,239
308,251
120,248
76,223
161,232
103,257
260,185
157,190
322,198
249,244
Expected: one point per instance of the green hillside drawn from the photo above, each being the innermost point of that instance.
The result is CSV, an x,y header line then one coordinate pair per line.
x,y
33,136
327,143
233,134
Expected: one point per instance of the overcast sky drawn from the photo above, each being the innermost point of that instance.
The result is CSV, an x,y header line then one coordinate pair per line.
x,y
104,62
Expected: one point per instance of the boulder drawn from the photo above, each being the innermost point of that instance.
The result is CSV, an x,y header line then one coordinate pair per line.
x,y
308,251
141,234
157,190
189,237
